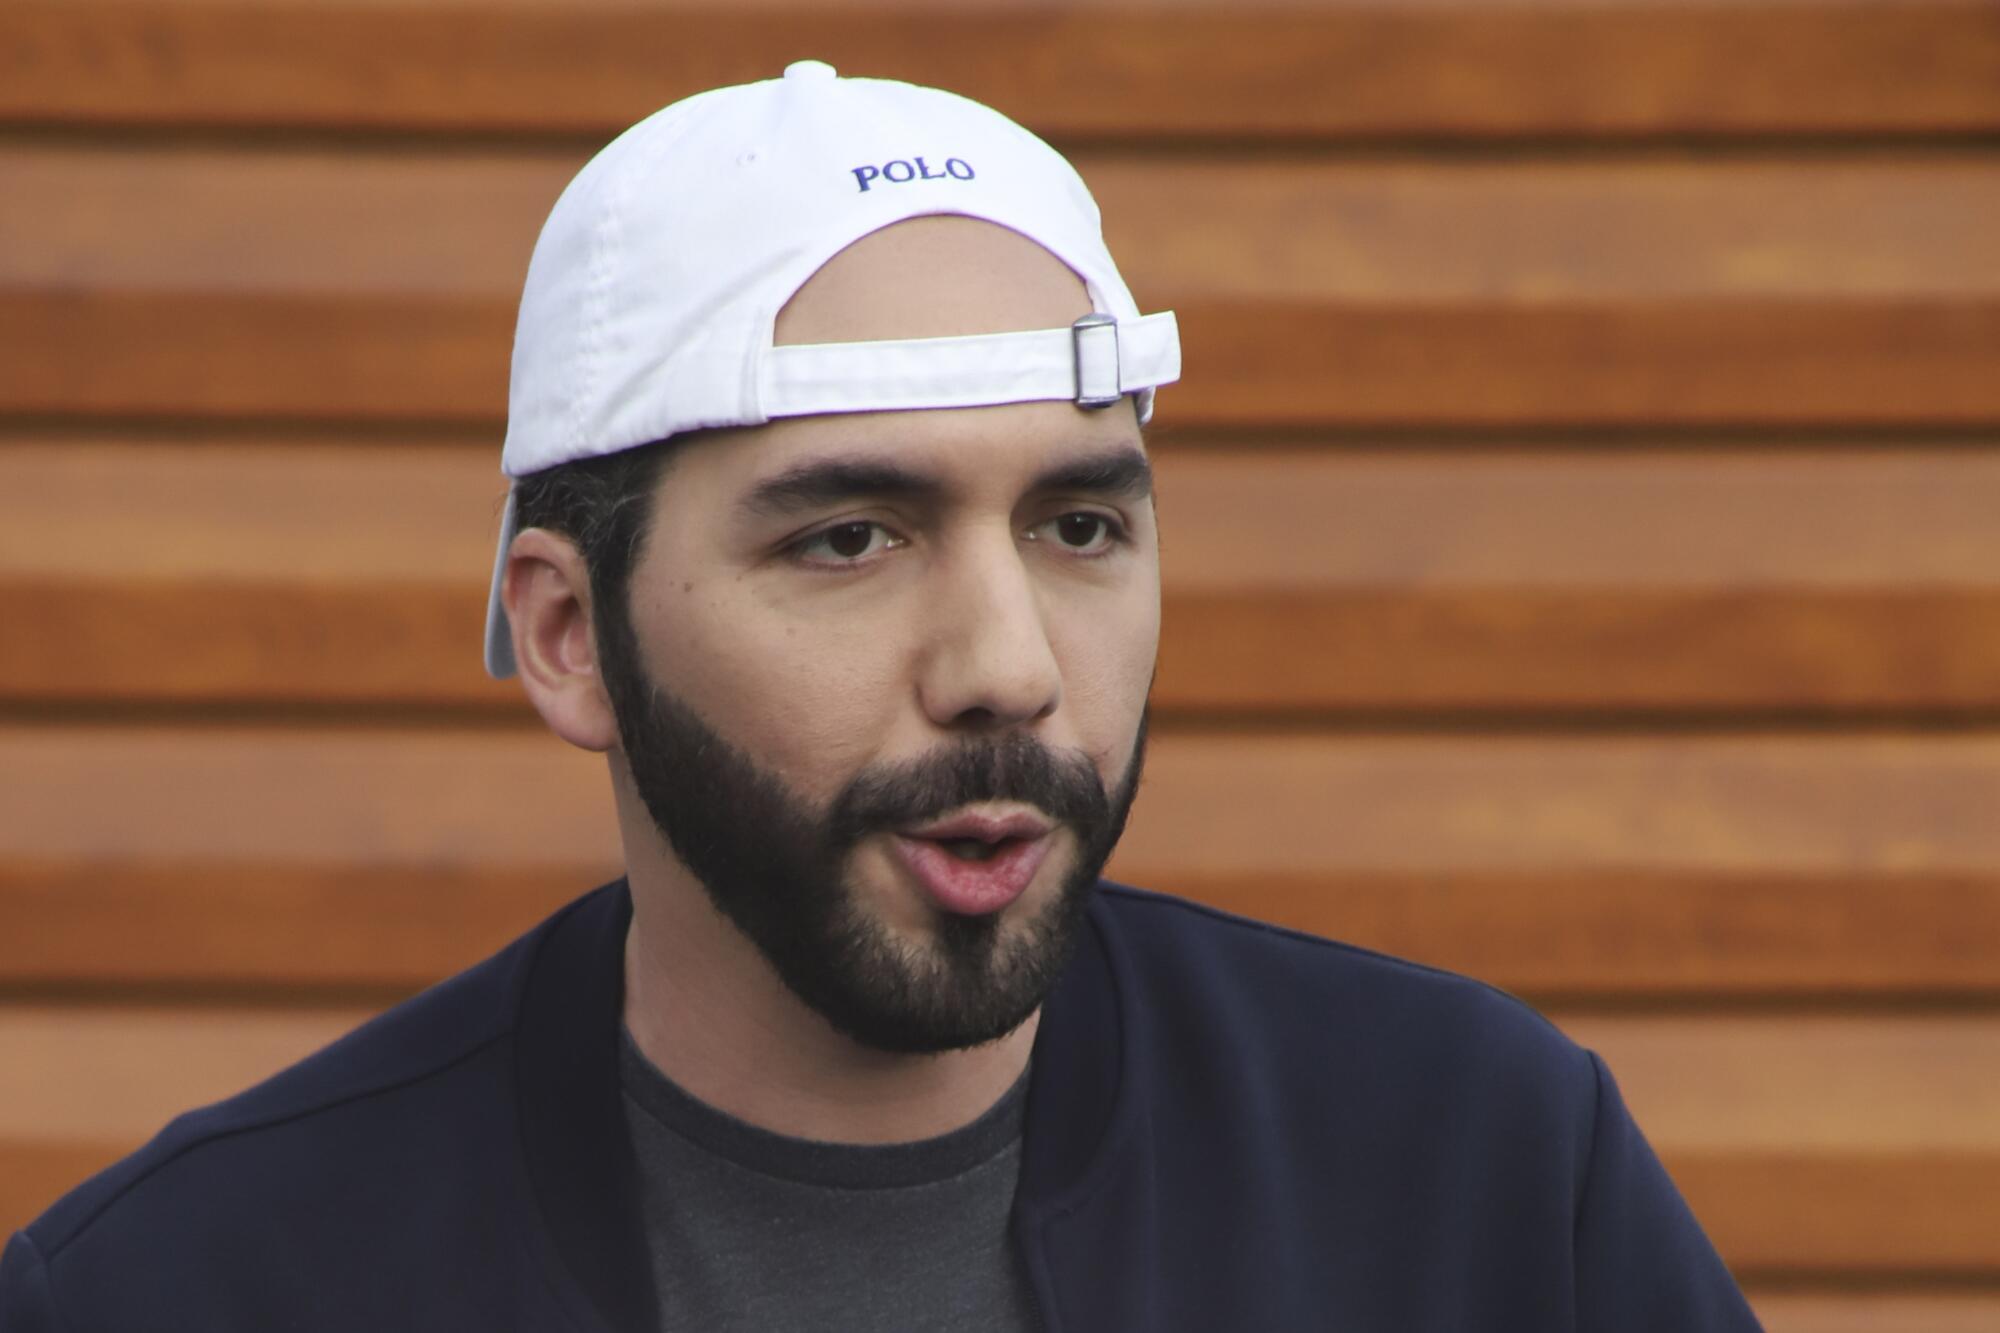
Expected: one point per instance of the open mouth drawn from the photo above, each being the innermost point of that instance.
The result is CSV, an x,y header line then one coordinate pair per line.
x,y
973,875
976,849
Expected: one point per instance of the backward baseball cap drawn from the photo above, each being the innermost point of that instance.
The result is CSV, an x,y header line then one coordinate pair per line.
x,y
657,280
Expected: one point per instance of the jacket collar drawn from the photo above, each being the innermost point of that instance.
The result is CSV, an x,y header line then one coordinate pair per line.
x,y
581,1162
1084,1219
580,1158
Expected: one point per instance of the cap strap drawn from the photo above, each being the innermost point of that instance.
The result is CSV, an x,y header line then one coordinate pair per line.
x,y
1093,363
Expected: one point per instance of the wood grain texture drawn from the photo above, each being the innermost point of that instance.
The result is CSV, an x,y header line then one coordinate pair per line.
x,y
1325,70
1852,1196
1623,866
1296,580
1546,292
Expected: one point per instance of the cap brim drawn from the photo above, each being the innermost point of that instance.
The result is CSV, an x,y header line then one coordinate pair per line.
x,y
499,632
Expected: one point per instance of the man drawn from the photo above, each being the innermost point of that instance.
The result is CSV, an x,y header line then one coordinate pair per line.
x,y
833,530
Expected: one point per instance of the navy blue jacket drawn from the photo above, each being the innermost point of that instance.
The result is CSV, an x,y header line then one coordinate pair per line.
x,y
1229,1126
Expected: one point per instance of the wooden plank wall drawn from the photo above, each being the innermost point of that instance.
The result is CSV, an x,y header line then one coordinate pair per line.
x,y
1583,567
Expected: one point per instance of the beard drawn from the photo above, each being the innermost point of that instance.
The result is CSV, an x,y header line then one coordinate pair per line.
x,y
776,866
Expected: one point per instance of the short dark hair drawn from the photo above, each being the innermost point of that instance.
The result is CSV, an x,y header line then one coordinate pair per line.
x,y
605,506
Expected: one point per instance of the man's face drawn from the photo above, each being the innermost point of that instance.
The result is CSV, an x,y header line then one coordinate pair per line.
x,y
885,691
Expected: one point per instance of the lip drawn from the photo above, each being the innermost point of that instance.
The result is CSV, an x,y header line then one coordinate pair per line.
x,y
1024,825
971,888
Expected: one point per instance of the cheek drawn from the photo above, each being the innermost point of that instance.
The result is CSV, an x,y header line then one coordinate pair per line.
x,y
809,701
1107,654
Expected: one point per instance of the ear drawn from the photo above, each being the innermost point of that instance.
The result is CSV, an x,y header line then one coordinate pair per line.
x,y
546,590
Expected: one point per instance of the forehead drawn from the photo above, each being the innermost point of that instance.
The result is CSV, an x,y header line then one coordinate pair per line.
x,y
933,277
993,454
925,277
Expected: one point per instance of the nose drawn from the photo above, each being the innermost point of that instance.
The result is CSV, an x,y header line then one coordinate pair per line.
x,y
988,661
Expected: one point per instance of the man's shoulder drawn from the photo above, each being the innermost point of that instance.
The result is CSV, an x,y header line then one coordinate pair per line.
x,y
1190,937
318,1114
1252,988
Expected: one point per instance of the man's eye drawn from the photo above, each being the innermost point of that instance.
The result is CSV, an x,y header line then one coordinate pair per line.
x,y
845,542
1083,531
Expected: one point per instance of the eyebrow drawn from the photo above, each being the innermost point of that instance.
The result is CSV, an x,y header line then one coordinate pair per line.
x,y
1121,473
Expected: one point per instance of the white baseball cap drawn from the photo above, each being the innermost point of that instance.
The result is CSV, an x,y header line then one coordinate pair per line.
x,y
658,277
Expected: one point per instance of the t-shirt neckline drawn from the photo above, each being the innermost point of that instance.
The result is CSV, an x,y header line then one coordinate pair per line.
x,y
813,1161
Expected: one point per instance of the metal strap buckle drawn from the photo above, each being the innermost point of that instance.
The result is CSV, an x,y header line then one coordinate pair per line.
x,y
1089,324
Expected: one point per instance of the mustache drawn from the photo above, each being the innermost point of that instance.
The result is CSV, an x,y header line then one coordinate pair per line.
x,y
1016,768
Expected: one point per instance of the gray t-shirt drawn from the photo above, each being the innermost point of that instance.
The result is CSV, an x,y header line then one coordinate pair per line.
x,y
753,1230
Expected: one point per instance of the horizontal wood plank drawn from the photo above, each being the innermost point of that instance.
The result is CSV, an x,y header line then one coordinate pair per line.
x,y
1408,579
1374,582
1326,70
1789,1310
1595,866
1861,1215
1554,292
1796,1154
1707,1090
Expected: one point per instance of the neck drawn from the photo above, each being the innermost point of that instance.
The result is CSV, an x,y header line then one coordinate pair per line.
x,y
705,1007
